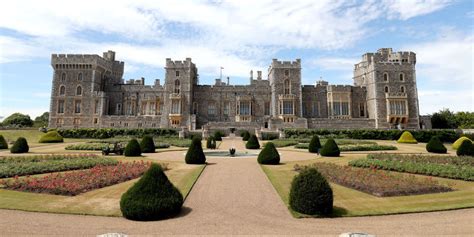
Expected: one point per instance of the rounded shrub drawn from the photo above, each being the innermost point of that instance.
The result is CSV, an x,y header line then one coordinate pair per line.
x,y
330,148
435,146
310,193
465,149
458,142
153,197
20,146
195,155
252,143
133,148
211,143
3,143
269,155
407,137
51,137
218,135
314,144
147,145
245,135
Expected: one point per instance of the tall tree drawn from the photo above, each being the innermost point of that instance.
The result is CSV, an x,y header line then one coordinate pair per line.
x,y
18,119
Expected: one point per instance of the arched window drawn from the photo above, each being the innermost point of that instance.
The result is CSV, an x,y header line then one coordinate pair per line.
x,y
177,86
63,77
62,90
287,87
386,89
79,90
402,77
402,89
385,76
79,77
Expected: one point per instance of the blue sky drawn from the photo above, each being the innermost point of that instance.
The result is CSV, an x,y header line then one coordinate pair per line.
x,y
329,36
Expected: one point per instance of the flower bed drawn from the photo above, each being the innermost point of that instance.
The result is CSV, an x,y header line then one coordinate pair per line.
x,y
28,165
76,182
377,182
443,166
367,147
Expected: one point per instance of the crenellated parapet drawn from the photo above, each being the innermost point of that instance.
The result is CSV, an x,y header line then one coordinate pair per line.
x,y
286,64
86,61
179,64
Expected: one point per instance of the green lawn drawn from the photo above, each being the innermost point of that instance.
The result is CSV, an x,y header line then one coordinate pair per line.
x,y
350,202
102,202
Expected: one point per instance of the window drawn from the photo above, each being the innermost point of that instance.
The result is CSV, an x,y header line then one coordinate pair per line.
x,y
267,108
288,107
287,72
96,120
226,108
63,77
96,107
177,73
398,107
244,108
402,89
60,106
385,76
211,109
79,77
77,107
59,121
402,77
177,86
362,110
340,108
386,89
77,121
287,87
79,90
315,108
62,90
175,107
195,108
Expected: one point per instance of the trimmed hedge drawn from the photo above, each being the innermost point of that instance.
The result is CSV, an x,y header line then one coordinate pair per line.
x,y
270,136
458,142
153,197
465,149
101,133
407,137
330,149
147,145
245,135
195,155
314,144
435,146
269,155
133,148
218,135
211,143
252,143
310,193
51,137
3,143
20,146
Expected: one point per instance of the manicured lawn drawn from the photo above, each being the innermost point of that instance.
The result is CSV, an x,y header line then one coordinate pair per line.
x,y
32,136
103,202
350,202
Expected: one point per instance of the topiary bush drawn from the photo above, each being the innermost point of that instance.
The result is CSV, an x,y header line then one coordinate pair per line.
x,y
310,193
458,142
20,146
245,135
269,155
51,137
3,143
211,143
218,135
195,155
153,197
465,149
147,145
435,146
314,144
133,148
330,148
252,143
406,137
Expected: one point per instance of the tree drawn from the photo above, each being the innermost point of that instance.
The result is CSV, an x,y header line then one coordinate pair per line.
x,y
252,143
42,121
211,143
147,145
269,155
330,148
435,146
465,119
133,148
20,146
3,143
195,154
18,119
245,135
465,149
310,193
314,145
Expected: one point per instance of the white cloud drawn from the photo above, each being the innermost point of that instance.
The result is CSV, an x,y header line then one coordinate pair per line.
x,y
406,9
434,100
336,63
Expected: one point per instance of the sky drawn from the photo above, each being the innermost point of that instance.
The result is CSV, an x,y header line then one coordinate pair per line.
x,y
329,36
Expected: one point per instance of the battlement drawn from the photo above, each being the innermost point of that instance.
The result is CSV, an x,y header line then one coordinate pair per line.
x,y
91,60
179,64
286,64
386,55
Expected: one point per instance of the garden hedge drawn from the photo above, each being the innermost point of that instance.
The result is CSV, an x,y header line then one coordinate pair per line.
x,y
245,135
310,193
51,137
133,148
435,146
314,144
20,146
153,197
147,145
195,155
252,143
330,148
458,142
3,143
465,149
211,143
218,135
407,137
269,155
101,133
270,136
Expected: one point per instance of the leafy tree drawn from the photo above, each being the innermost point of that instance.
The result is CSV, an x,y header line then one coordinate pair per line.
x,y
245,135
330,148
465,119
42,121
147,145
310,193
314,145
20,146
133,148
18,119
435,146
195,154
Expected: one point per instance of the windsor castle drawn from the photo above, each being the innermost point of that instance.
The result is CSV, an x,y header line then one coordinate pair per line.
x,y
88,91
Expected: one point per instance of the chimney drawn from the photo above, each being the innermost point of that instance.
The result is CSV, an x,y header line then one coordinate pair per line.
x,y
157,82
259,75
228,81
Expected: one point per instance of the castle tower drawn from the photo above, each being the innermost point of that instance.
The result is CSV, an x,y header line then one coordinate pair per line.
x,y
180,79
390,80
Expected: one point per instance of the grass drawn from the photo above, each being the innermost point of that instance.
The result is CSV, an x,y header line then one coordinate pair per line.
x,y
350,202
31,135
101,202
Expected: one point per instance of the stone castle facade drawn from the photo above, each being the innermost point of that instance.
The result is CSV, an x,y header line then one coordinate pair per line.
x,y
88,92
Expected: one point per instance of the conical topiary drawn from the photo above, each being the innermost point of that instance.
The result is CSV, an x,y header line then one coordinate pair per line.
x,y
245,135
435,146
310,193
3,143
153,197
218,135
269,155
252,143
20,146
195,155
465,149
314,145
458,142
330,148
51,137
406,137
147,145
133,148
211,143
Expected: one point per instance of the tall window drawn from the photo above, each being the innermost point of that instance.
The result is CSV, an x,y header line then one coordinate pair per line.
x,y
288,107
287,72
402,89
315,108
175,107
398,107
340,108
211,109
177,73
402,77
287,87
362,110
62,90
60,106
63,77
77,107
96,107
226,108
244,108
386,89
79,77
79,90
267,108
195,108
385,76
177,86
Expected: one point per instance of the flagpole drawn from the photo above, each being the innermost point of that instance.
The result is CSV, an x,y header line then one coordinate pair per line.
x,y
221,72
